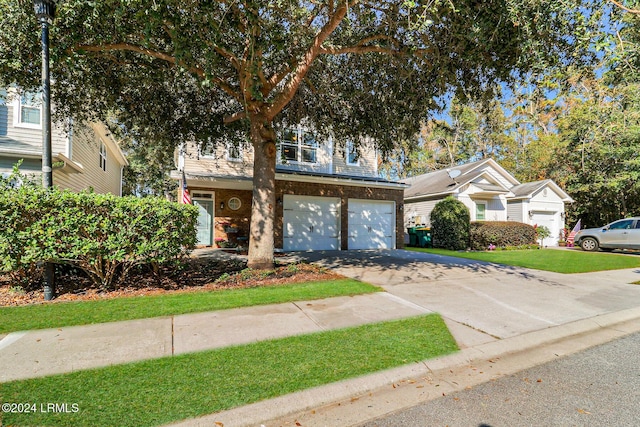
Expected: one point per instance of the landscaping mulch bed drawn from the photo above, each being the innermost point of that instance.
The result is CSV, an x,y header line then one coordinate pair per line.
x,y
194,275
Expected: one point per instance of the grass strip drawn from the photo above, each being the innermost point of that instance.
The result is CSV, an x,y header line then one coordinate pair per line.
x,y
165,390
57,315
559,261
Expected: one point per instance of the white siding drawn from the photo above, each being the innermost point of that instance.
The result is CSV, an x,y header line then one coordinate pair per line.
x,y
218,164
330,160
515,211
86,148
497,176
420,211
367,162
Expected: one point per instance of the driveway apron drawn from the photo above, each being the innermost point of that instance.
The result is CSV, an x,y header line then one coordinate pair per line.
x,y
482,301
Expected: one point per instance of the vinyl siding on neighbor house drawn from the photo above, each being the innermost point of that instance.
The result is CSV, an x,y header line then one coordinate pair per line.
x,y
515,211
76,155
28,135
85,152
419,213
497,176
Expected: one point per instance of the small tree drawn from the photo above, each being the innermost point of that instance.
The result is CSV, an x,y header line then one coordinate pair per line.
x,y
450,223
542,233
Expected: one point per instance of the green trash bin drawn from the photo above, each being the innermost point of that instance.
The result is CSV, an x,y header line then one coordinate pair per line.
x,y
413,237
423,235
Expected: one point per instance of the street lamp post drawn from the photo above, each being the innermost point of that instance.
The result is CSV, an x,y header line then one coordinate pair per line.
x,y
45,11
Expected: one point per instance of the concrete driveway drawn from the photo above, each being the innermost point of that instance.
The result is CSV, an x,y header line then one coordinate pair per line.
x,y
482,302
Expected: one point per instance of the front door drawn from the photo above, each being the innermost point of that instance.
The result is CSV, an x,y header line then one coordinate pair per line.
x,y
205,222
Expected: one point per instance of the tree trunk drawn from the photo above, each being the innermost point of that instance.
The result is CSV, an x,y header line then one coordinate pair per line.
x,y
261,243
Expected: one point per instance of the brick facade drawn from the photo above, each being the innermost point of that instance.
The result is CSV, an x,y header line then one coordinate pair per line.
x,y
344,192
239,219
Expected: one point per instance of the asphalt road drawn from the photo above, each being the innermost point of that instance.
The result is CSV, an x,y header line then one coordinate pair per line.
x,y
597,387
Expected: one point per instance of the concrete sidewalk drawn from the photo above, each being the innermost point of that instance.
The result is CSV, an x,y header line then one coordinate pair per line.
x,y
492,312
53,351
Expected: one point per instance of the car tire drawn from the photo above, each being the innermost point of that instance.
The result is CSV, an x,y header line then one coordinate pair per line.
x,y
589,244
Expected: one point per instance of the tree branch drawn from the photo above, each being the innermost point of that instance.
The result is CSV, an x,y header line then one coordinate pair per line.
x,y
159,55
626,9
305,64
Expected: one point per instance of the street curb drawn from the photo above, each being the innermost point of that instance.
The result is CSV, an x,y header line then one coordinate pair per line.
x,y
585,332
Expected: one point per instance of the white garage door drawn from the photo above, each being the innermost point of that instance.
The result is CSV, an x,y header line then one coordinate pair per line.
x,y
548,220
311,223
371,224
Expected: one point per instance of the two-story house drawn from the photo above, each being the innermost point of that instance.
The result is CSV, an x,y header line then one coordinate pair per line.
x,y
83,155
328,195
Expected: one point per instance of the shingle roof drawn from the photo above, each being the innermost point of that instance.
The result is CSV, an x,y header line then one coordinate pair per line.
x,y
439,182
528,188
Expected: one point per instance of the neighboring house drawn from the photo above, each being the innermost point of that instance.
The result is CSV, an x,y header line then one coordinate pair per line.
x,y
83,156
491,194
327,197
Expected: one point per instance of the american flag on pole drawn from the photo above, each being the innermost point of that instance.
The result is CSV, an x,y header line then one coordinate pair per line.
x,y
573,233
186,197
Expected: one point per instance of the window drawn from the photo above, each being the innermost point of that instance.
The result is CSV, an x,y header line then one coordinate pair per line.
x,y
103,156
289,145
29,110
352,154
298,146
234,203
481,209
234,152
622,225
208,149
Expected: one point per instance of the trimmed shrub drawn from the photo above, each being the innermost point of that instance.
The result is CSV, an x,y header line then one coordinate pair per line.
x,y
102,234
502,234
450,225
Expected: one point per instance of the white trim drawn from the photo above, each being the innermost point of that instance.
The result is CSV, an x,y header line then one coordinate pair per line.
x,y
348,146
17,115
338,181
300,131
475,208
102,153
228,157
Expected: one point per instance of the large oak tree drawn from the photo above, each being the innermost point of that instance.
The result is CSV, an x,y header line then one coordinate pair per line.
x,y
182,70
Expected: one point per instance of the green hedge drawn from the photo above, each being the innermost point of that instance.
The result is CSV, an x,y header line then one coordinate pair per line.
x,y
450,225
102,234
501,234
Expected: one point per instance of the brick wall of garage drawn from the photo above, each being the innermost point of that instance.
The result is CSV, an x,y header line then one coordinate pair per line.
x,y
240,218
344,192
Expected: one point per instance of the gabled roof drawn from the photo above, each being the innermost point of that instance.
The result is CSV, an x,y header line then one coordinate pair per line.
x,y
527,190
440,182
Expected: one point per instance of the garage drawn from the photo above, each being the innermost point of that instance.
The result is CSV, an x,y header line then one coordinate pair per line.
x,y
547,219
371,224
311,223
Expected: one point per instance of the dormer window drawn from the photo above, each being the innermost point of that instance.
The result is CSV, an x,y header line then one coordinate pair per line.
x,y
299,145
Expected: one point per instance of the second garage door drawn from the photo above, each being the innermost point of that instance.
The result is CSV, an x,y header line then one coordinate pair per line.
x,y
311,223
371,224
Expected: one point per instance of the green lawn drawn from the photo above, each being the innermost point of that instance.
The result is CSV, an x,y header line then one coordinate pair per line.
x,y
88,312
164,390
560,261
